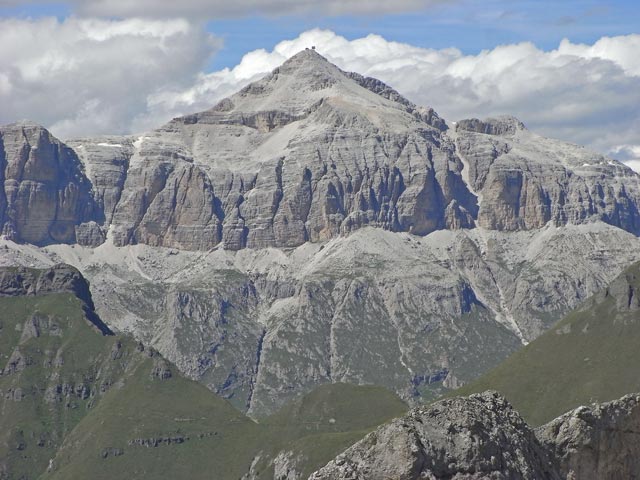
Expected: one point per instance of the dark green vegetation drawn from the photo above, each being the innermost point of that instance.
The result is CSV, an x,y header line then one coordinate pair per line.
x,y
591,355
77,402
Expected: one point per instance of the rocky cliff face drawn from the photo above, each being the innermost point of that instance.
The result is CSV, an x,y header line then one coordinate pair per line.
x,y
307,153
483,437
311,152
45,197
525,181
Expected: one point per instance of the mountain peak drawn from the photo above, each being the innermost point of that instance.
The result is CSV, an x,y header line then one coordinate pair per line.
x,y
303,83
309,66
306,55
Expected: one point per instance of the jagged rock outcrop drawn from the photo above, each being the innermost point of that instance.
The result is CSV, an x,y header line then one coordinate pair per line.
x,y
45,197
481,436
598,442
478,437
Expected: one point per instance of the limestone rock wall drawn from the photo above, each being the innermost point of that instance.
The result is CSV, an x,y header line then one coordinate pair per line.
x,y
45,197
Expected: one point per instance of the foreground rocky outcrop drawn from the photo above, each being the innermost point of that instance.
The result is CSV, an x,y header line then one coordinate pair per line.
x,y
482,436
597,442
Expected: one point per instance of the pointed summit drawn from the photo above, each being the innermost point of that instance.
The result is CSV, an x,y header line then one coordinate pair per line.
x,y
306,58
302,84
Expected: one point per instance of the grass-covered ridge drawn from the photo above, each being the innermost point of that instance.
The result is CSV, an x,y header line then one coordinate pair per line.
x,y
591,355
76,403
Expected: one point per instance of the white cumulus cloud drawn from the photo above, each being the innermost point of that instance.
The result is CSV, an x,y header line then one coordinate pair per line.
x,y
86,76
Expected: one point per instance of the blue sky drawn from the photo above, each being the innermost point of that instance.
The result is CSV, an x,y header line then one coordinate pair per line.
x,y
468,25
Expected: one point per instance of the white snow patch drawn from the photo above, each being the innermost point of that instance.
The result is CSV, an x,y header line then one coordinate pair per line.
x,y
137,145
114,145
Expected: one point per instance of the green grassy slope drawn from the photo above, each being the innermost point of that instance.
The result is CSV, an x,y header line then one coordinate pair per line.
x,y
318,426
50,358
75,403
590,355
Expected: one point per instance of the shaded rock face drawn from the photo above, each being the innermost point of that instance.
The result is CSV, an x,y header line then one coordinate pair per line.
x,y
21,281
598,442
106,161
478,437
45,197
624,290
307,153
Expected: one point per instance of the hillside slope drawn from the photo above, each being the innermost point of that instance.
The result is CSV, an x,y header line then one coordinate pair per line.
x,y
591,355
78,401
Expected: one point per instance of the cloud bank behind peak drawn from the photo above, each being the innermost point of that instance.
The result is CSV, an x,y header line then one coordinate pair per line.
x,y
83,76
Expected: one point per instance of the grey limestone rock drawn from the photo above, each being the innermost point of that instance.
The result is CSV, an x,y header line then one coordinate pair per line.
x,y
479,437
305,154
482,437
524,181
598,442
45,195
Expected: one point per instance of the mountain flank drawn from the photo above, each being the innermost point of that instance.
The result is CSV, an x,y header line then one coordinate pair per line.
x,y
588,356
77,401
